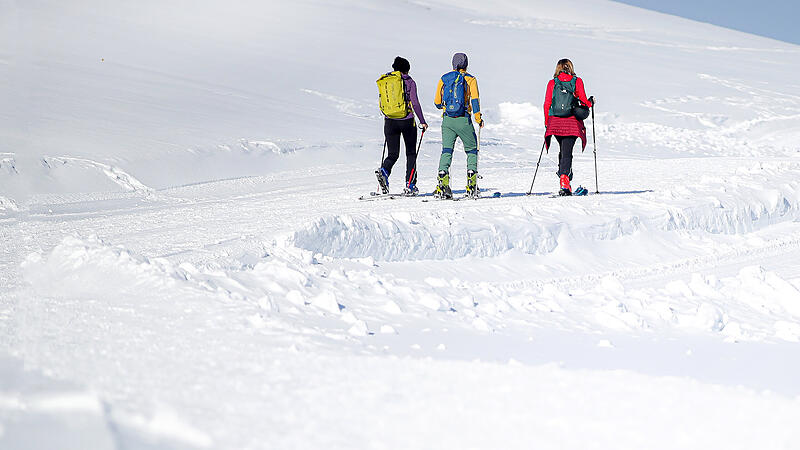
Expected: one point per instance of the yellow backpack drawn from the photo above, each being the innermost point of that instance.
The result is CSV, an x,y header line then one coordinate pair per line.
x,y
393,96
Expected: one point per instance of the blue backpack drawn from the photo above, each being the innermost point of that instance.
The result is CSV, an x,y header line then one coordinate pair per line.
x,y
454,94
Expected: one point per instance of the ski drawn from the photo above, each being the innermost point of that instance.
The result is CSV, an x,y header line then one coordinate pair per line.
x,y
378,196
556,195
580,191
478,197
365,198
437,199
464,197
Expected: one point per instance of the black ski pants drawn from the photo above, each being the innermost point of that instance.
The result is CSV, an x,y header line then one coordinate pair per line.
x,y
565,144
393,129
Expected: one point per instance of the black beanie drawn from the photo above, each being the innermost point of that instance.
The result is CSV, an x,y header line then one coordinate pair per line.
x,y
401,64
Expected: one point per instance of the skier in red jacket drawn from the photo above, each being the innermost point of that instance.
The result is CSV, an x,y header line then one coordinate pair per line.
x,y
560,117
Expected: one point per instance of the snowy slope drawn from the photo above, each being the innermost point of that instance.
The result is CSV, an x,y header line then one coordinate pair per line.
x,y
172,94
185,263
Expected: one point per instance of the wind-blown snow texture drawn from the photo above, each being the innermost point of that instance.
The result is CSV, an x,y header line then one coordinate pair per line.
x,y
185,263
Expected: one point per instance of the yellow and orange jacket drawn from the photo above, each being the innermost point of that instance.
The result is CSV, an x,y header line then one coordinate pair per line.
x,y
471,96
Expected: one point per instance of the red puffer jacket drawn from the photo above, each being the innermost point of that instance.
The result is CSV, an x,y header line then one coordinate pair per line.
x,y
564,126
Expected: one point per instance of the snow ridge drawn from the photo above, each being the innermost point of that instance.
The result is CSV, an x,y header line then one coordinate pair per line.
x,y
416,237
736,204
115,174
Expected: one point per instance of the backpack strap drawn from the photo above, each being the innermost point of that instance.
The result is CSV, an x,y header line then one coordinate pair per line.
x,y
573,81
406,95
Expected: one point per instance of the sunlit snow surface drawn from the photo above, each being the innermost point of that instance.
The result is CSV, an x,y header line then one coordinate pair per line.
x,y
185,262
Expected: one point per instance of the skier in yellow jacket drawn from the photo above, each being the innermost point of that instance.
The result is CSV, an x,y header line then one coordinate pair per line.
x,y
457,95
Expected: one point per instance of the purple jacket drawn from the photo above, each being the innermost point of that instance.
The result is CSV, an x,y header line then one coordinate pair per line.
x,y
411,88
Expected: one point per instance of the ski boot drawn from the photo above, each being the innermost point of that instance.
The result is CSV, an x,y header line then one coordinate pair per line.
x,y
411,189
383,180
472,184
570,174
565,188
443,190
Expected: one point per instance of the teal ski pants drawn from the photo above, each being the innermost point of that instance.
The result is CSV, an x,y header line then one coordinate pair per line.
x,y
458,127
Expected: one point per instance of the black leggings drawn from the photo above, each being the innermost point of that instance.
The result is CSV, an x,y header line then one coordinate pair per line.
x,y
392,129
565,154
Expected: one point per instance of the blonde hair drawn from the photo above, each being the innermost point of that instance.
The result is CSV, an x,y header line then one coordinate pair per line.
x,y
564,65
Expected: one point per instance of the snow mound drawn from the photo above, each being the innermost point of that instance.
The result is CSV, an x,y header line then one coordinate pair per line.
x,y
434,236
26,176
85,267
6,204
118,176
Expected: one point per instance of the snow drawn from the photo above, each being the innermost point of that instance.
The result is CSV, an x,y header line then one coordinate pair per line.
x,y
185,263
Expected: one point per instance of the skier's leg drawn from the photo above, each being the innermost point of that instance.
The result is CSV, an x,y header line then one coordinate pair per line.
x,y
472,159
445,160
449,136
466,132
409,131
472,171
470,147
565,143
392,133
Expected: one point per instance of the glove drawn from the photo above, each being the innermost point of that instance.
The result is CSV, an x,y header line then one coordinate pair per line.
x,y
480,123
591,100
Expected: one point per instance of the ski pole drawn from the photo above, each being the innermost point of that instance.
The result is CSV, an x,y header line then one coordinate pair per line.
x,y
383,155
414,169
594,142
537,168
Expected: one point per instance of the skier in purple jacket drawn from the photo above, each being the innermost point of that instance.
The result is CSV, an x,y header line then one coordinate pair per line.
x,y
394,128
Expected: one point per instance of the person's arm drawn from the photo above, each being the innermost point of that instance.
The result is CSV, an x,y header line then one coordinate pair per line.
x,y
437,99
581,93
412,93
548,100
474,96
